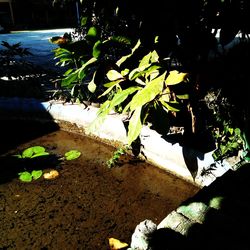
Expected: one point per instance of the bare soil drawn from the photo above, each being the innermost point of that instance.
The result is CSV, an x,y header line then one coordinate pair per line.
x,y
88,203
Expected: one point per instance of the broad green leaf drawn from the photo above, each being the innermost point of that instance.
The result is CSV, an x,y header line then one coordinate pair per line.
x,y
122,96
38,149
27,153
72,155
145,61
92,32
114,75
25,176
175,77
36,174
148,93
97,49
135,125
124,58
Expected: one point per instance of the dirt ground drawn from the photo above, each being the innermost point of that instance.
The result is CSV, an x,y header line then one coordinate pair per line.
x,y
88,203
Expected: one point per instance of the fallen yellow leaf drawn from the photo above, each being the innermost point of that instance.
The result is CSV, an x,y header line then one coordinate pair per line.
x,y
115,244
51,175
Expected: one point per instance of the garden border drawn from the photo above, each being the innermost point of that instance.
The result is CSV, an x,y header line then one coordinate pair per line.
x,y
157,151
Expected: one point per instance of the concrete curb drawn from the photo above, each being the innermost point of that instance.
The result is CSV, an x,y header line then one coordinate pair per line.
x,y
157,151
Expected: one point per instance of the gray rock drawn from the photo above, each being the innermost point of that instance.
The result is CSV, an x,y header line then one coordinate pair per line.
x,y
141,236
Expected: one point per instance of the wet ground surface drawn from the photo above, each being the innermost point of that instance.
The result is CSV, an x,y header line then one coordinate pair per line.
x,y
88,203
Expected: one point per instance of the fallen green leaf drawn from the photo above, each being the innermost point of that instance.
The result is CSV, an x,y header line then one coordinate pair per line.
x,y
36,174
72,155
25,176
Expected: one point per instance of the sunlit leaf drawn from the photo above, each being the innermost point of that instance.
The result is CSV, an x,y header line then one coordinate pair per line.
x,y
121,96
154,57
148,93
183,97
145,61
72,155
114,75
92,85
125,72
175,77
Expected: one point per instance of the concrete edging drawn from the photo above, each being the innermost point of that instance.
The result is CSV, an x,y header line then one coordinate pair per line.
x,y
158,151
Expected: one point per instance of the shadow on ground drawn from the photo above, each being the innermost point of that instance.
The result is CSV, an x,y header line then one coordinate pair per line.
x,y
221,222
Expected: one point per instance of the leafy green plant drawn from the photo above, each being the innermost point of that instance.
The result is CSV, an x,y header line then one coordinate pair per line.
x,y
113,161
86,60
141,91
229,142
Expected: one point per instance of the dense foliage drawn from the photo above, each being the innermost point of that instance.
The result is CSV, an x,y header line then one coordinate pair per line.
x,y
193,37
